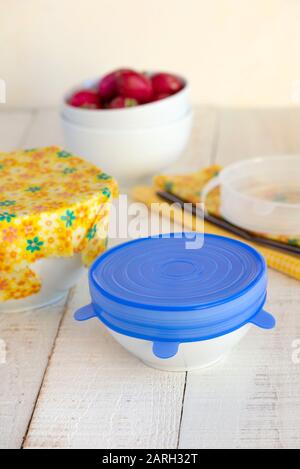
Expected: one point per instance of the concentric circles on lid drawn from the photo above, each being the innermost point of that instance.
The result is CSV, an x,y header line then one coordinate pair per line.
x,y
161,273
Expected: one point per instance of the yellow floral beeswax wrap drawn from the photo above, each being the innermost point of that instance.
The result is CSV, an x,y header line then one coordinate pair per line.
x,y
52,204
189,187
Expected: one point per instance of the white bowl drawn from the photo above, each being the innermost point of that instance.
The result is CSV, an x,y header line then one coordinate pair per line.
x,y
57,275
160,112
190,356
261,194
129,154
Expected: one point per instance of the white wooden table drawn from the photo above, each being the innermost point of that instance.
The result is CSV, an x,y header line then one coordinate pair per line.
x,y
69,385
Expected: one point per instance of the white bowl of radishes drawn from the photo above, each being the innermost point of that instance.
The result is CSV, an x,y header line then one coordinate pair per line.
x,y
86,107
112,121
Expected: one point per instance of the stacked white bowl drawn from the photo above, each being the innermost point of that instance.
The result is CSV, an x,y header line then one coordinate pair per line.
x,y
133,142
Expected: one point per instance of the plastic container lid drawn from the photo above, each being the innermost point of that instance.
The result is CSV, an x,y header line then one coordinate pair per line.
x,y
261,194
156,289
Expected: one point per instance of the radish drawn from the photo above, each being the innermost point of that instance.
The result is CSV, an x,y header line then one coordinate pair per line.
x,y
158,97
121,102
134,85
85,98
108,84
166,83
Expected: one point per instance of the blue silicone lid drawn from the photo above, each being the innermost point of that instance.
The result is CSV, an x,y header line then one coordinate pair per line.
x,y
157,289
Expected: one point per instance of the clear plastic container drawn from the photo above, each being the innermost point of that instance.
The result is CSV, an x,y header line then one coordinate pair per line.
x,y
261,194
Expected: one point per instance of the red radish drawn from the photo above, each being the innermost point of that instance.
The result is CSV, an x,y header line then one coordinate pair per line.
x,y
166,83
108,84
85,98
134,85
121,102
160,96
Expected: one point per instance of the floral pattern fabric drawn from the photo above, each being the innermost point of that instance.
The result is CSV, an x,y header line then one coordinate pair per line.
x,y
52,204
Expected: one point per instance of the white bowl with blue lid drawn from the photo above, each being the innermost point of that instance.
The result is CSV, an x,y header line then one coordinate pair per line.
x,y
177,308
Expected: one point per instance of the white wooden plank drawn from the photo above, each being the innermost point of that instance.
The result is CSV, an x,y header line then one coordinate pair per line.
x,y
28,337
252,399
13,127
96,395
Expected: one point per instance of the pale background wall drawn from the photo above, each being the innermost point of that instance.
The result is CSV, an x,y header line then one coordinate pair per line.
x,y
235,52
